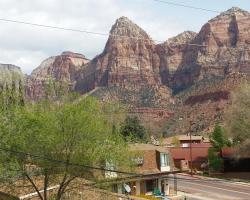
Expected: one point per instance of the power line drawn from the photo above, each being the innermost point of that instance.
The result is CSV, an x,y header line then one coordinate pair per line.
x,y
133,175
52,27
186,6
120,37
64,162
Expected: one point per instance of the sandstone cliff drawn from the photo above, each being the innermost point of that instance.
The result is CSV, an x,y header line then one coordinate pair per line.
x,y
171,55
222,48
129,66
10,75
62,70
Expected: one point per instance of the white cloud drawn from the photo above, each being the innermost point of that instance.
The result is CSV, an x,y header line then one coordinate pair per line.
x,y
27,46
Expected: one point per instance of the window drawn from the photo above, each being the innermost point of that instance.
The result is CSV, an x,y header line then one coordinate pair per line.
x,y
164,160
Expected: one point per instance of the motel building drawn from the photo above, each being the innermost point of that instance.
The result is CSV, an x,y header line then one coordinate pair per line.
x,y
154,165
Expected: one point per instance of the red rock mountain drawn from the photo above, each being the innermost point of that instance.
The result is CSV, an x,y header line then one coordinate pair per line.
x,y
63,69
171,55
224,49
131,59
11,77
10,73
130,64
129,56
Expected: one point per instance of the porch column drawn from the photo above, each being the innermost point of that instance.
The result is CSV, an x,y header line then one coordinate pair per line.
x,y
166,187
159,184
119,188
138,187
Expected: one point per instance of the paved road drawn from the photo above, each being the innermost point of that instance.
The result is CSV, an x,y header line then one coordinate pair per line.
x,y
205,189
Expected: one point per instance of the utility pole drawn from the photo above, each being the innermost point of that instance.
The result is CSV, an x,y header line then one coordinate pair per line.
x,y
190,148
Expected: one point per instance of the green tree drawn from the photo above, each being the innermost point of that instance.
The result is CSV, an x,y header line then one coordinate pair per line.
x,y
238,117
218,138
132,128
215,161
68,132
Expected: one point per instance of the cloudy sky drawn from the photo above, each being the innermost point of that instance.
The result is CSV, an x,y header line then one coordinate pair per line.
x,y
26,46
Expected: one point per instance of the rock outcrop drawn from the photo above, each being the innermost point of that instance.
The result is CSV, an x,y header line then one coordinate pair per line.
x,y
130,62
129,56
222,47
55,73
11,86
10,75
171,55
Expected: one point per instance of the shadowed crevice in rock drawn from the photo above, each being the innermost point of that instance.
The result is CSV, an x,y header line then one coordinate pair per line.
x,y
233,31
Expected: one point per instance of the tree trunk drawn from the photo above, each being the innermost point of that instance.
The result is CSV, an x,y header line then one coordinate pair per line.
x,y
46,180
34,186
63,186
58,196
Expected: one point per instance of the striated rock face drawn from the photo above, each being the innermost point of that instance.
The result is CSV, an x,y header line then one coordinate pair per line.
x,y
10,75
11,85
63,69
134,64
129,61
171,55
129,56
224,49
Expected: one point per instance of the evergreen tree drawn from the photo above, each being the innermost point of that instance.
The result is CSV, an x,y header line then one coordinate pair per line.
x,y
218,138
132,128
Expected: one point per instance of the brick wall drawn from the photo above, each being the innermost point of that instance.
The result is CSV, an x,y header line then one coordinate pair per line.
x,y
150,161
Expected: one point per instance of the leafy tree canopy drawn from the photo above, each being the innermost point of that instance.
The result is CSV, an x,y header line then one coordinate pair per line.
x,y
238,117
133,129
70,132
218,138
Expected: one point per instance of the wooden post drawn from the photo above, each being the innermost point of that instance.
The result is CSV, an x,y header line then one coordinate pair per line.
x,y
190,147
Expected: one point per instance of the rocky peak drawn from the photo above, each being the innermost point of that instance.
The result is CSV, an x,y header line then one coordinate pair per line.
x,y
229,29
77,59
9,72
43,66
224,49
125,27
11,75
10,67
72,54
64,68
130,61
232,12
183,38
128,54
236,10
